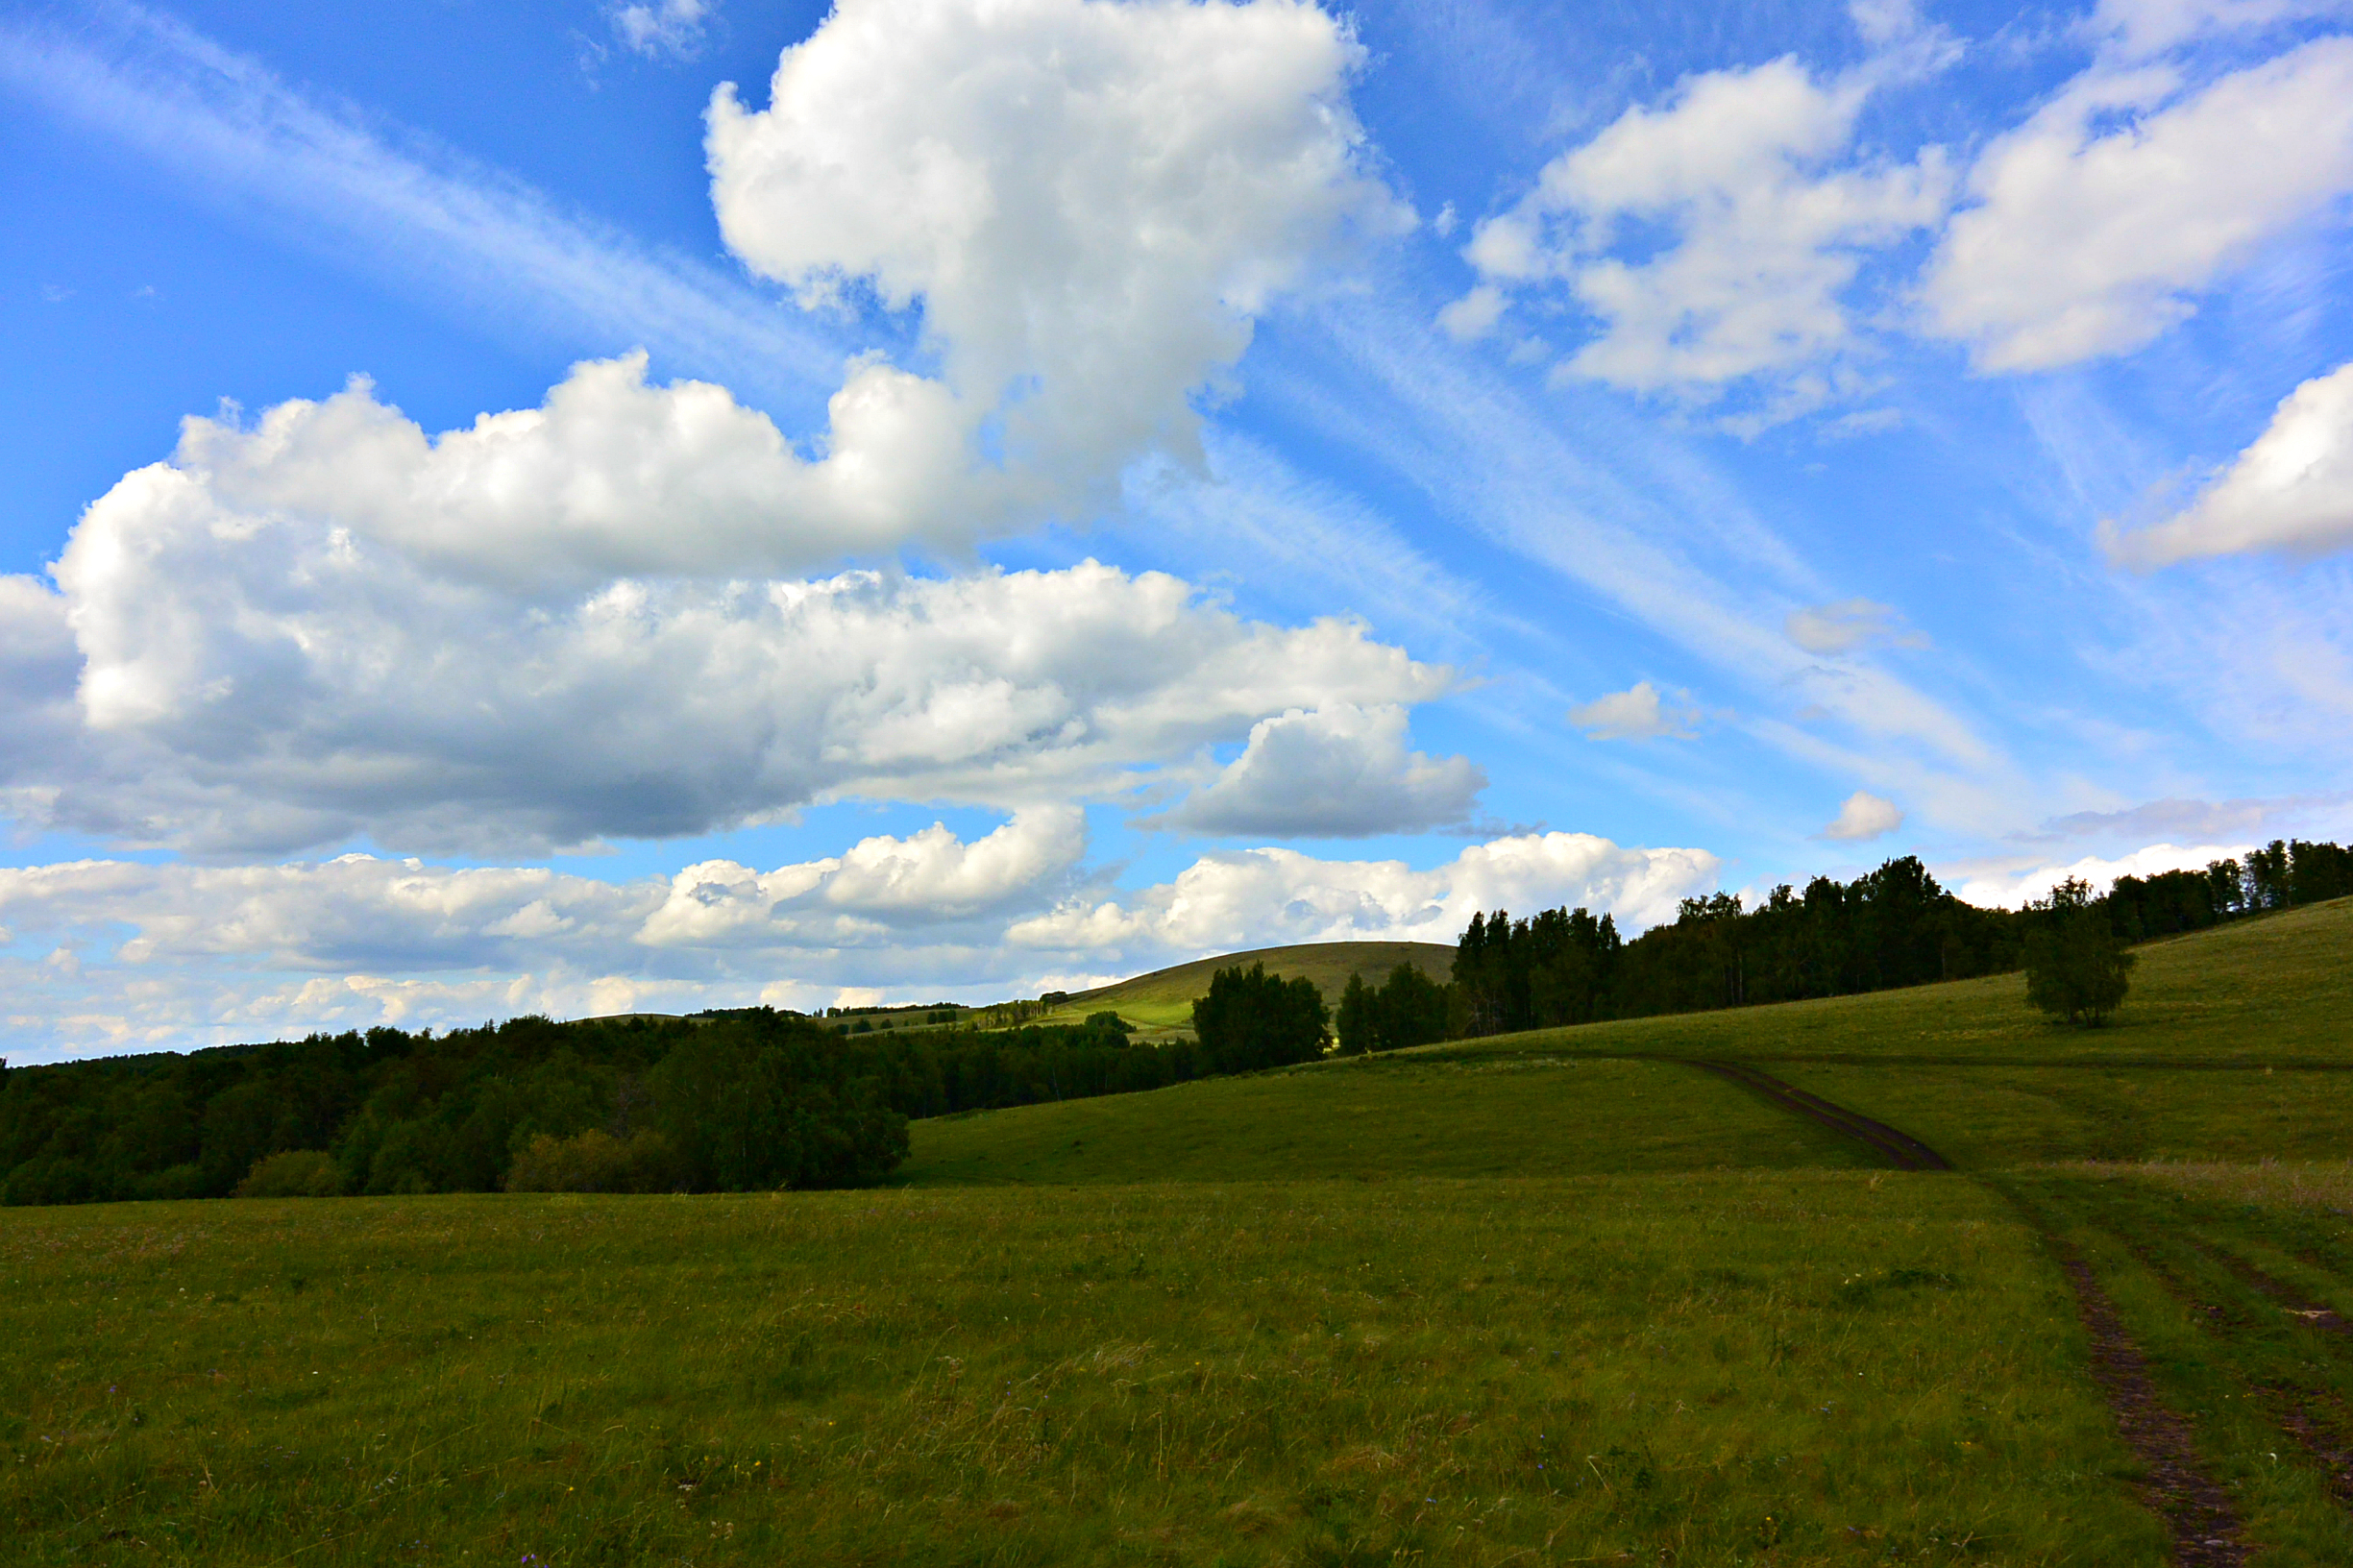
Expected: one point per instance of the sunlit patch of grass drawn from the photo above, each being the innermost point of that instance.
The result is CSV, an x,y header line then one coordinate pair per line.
x,y
1785,1367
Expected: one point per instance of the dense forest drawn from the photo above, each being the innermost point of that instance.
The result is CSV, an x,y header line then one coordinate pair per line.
x,y
725,1100
749,1098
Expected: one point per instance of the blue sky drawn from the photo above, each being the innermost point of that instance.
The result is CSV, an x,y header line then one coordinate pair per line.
x,y
1011,495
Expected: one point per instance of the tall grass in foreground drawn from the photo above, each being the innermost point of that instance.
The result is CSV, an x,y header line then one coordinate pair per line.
x,y
1785,1368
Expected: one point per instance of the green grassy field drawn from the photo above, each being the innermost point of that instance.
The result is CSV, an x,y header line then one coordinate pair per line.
x,y
1164,998
1729,1368
1991,1118
1551,1298
1391,1117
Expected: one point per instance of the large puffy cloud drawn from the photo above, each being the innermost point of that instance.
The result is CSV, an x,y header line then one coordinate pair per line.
x,y
2095,222
1749,173
107,954
1340,772
1263,896
366,910
879,884
2291,491
261,675
1091,202
609,477
550,626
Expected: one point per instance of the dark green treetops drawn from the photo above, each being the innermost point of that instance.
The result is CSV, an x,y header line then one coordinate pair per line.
x,y
1252,1020
2076,968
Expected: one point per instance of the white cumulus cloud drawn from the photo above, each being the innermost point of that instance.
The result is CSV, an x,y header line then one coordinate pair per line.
x,y
1751,176
1338,771
1089,202
1864,816
2291,491
2091,227
876,885
1258,897
1636,713
224,671
177,954
609,477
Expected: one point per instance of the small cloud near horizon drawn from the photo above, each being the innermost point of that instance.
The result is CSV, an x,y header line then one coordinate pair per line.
x,y
1864,816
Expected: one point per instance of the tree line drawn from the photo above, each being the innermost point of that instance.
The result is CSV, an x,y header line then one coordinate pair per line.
x,y
1890,927
751,1097
730,1100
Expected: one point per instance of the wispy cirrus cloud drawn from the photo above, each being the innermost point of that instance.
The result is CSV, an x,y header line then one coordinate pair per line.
x,y
1648,525
663,28
387,201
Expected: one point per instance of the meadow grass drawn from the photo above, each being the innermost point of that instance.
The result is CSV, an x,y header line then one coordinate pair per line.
x,y
2312,1184
1990,1118
1392,1115
1543,1298
1722,1368
2219,1294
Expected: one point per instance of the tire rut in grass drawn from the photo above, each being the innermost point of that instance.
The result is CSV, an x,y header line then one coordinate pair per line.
x,y
1902,1149
2289,1406
2288,1299
2195,1507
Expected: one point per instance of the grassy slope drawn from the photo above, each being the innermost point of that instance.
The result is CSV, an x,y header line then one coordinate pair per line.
x,y
2281,989
1165,997
1986,1118
1384,1116
1783,1367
